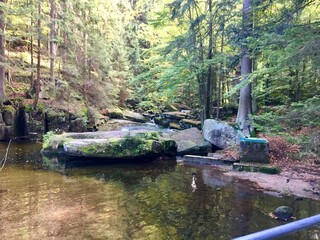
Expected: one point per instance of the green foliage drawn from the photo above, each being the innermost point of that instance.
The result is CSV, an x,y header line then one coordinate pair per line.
x,y
157,52
298,123
28,108
305,113
284,118
148,106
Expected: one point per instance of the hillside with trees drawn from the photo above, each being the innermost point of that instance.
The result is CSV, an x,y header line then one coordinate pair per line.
x,y
83,58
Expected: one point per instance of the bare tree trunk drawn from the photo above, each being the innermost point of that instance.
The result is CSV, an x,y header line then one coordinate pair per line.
x,y
207,105
254,84
63,48
221,77
52,44
2,54
244,110
37,82
85,56
31,47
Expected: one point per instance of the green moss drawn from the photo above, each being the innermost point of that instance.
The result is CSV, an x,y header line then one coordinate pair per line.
x,y
41,106
256,168
118,148
8,108
54,142
28,108
142,144
269,170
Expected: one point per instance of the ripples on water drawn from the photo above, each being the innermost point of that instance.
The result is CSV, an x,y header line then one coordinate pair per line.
x,y
158,200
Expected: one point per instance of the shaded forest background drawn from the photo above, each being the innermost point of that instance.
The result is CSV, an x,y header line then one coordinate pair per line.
x,y
144,54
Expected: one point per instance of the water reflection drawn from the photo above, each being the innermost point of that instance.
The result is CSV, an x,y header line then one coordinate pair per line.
x,y
158,200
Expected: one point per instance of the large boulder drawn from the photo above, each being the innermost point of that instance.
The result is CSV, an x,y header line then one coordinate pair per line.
x,y
190,141
112,144
221,134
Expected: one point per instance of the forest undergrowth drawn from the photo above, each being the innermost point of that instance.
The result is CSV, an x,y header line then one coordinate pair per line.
x,y
293,133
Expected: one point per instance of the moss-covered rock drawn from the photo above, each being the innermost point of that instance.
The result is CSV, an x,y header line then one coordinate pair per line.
x,y
113,144
176,126
53,143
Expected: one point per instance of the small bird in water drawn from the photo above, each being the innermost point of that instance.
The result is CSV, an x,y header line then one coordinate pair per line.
x,y
193,183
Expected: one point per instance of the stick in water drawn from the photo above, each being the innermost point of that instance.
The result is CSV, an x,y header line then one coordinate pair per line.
x,y
4,159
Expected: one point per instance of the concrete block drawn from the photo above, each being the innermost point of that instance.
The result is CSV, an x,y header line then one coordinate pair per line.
x,y
254,150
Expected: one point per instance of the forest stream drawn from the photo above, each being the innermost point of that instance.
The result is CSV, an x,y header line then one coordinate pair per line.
x,y
48,199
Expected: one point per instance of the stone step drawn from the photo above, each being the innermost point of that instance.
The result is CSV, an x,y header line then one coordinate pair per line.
x,y
203,160
256,167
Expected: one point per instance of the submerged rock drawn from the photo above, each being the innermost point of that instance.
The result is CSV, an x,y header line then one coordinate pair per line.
x,y
282,213
112,144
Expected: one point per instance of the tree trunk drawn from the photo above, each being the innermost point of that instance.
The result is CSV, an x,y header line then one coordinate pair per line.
x,y
52,44
254,84
244,111
85,56
2,55
201,82
31,48
63,48
207,105
37,82
221,77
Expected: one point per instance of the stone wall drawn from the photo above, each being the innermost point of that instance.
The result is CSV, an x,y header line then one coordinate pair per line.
x,y
19,123
7,123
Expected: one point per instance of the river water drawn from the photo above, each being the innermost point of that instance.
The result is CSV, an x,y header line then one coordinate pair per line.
x,y
43,198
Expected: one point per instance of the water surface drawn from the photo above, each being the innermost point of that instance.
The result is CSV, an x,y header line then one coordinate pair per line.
x,y
48,199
